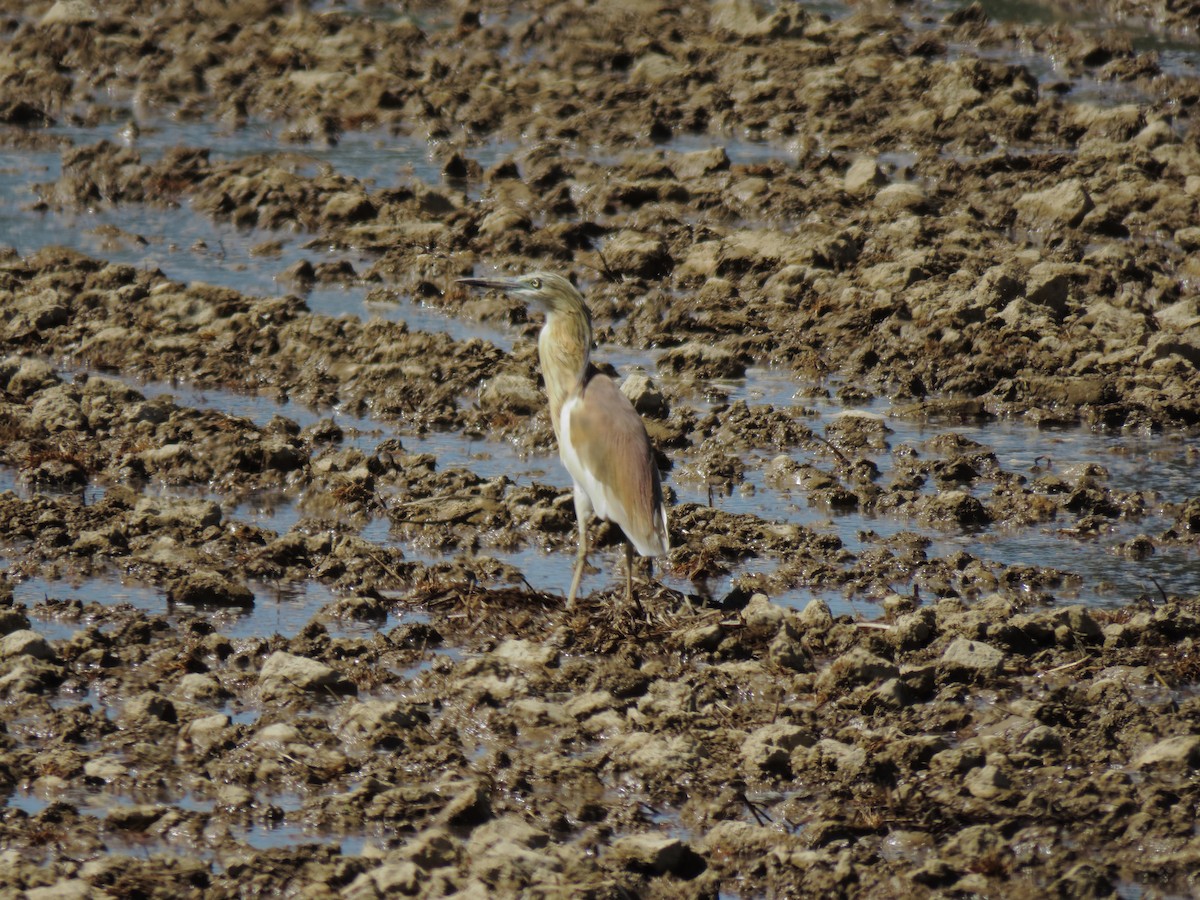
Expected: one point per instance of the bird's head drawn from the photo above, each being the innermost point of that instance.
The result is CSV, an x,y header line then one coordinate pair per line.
x,y
552,292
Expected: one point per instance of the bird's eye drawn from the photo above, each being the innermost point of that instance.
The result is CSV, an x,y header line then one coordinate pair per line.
x,y
535,283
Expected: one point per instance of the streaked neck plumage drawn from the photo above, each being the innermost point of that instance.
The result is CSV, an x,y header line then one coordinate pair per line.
x,y
564,349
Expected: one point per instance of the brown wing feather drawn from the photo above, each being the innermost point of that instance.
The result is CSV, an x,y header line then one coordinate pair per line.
x,y
611,445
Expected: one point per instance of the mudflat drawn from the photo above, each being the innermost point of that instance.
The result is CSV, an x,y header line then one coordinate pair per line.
x,y
973,218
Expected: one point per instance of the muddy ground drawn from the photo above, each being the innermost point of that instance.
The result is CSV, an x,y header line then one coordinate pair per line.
x,y
947,227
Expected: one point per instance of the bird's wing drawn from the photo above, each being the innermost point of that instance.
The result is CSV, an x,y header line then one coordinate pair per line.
x,y
605,448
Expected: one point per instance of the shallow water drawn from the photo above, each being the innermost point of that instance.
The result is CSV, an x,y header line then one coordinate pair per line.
x,y
188,247
259,835
278,609
1107,577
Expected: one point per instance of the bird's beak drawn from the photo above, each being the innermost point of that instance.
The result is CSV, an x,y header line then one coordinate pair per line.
x,y
498,284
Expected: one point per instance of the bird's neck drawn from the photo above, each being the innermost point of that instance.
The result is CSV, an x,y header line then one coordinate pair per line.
x,y
564,348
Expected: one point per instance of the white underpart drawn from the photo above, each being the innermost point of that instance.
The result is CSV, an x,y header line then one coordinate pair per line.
x,y
596,495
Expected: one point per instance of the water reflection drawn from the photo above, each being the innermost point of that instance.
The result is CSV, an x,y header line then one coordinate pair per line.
x,y
278,609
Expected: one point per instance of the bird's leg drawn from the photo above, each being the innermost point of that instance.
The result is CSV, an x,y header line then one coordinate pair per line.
x,y
583,510
631,599
580,561
628,573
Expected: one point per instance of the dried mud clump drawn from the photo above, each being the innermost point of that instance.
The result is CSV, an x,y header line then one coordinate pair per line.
x,y
894,202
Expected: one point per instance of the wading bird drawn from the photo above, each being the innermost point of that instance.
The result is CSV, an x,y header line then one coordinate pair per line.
x,y
601,438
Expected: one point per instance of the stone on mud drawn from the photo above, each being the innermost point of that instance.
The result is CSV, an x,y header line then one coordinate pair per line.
x,y
698,163
658,854
697,360
525,655
12,620
201,735
863,176
149,706
1055,208
388,880
25,642
207,588
638,254
987,782
285,673
1182,751
969,657
769,748
378,723
857,667
24,377
510,392
645,397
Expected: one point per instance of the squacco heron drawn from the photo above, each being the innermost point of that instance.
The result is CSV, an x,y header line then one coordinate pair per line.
x,y
601,438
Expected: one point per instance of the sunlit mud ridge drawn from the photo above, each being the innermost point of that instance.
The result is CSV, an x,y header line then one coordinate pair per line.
x,y
908,297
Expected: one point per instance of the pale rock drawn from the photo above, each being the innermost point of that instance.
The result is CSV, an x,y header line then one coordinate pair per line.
x,y
1058,207
638,253
388,880
645,397
69,12
511,392
974,655
986,782
699,163
657,853
526,655
1182,751
863,176
67,889
199,686
656,68
769,748
201,735
283,673
903,196
25,642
